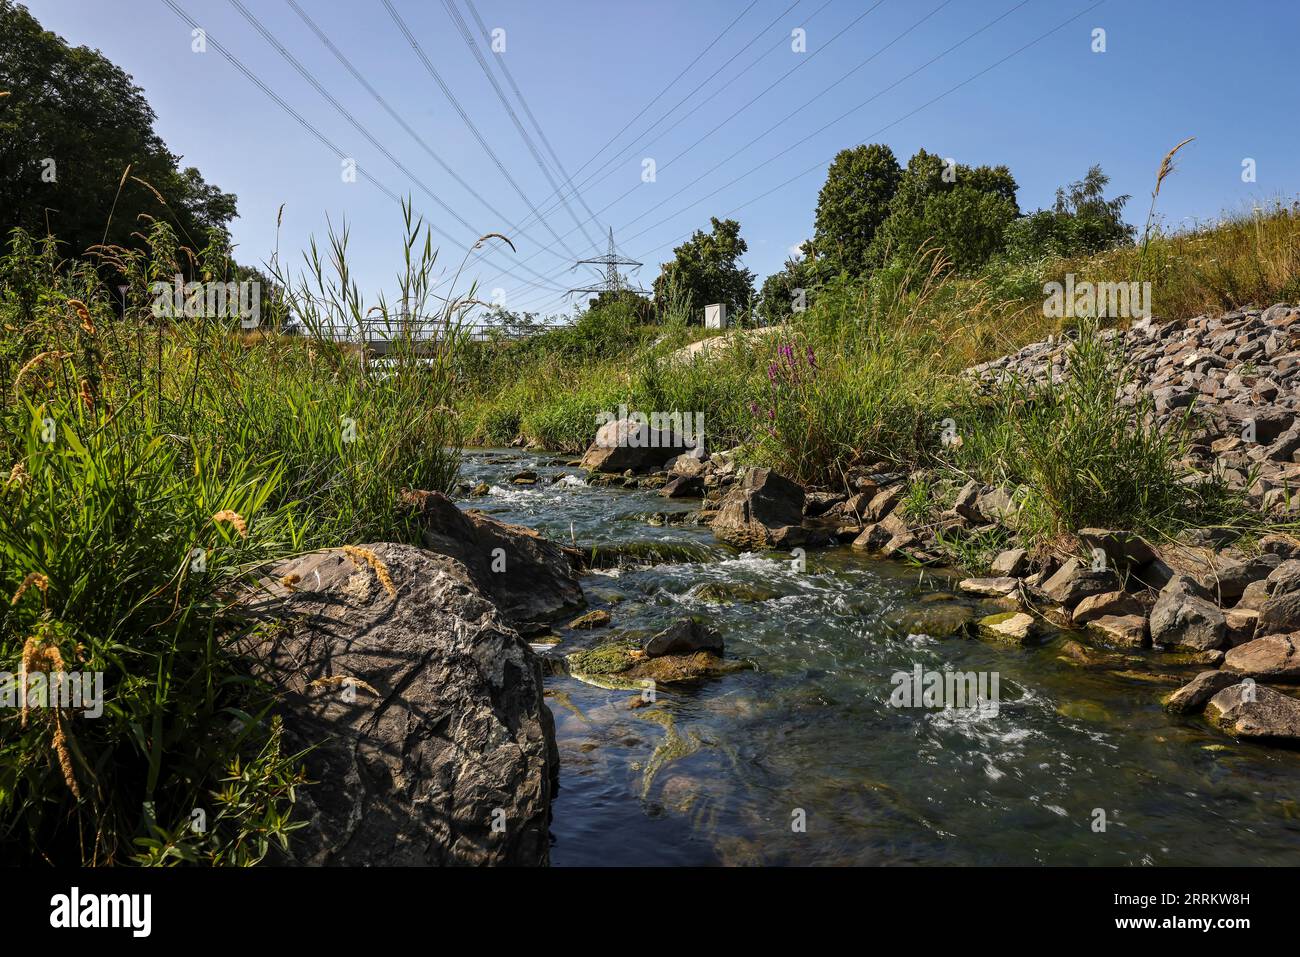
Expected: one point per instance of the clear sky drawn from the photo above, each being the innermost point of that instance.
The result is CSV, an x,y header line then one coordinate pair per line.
x,y
928,74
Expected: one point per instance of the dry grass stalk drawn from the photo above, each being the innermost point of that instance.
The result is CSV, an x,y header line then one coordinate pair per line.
x,y
33,580
235,519
333,681
52,355
366,556
83,313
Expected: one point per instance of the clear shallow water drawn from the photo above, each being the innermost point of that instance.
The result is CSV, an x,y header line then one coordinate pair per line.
x,y
713,771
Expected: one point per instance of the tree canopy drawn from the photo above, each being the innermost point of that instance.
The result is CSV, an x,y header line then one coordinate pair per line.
x,y
707,268
70,126
853,203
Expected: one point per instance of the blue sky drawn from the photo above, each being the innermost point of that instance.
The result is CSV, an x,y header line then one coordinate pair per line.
x,y
1224,72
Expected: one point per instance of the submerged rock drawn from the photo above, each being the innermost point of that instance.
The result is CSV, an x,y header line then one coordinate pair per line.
x,y
592,619
421,706
684,637
1015,627
621,664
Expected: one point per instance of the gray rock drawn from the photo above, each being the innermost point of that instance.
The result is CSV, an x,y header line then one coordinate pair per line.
x,y
764,510
1181,617
965,503
1013,563
684,637
997,505
423,711
1247,711
1191,697
996,587
1128,631
1284,578
531,580
1113,603
1229,581
1271,658
626,444
1121,548
1074,581
1280,614
684,486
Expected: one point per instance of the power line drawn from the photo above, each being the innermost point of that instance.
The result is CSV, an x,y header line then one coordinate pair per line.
x,y
459,22
822,165
348,116
451,97
320,137
671,83
516,231
514,87
779,123
802,62
928,103
797,143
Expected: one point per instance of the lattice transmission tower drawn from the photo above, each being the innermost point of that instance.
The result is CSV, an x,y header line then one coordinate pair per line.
x,y
613,280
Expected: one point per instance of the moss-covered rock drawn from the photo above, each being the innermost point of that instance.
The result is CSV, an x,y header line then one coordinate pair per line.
x,y
1012,627
622,664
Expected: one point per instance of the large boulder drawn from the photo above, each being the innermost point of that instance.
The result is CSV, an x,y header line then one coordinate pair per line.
x,y
1253,711
531,580
1184,618
765,510
422,708
629,444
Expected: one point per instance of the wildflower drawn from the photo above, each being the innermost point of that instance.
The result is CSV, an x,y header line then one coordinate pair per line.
x,y
812,358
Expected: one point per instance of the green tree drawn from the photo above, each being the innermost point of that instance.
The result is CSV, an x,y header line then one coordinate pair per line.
x,y
1083,221
962,210
790,290
71,124
707,269
852,204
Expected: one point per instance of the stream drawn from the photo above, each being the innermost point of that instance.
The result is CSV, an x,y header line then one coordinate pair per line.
x,y
802,760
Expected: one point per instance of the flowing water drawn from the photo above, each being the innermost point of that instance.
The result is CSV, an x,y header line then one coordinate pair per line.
x,y
802,760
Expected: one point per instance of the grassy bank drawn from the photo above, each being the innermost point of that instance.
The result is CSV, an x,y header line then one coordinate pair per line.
x,y
153,466
870,373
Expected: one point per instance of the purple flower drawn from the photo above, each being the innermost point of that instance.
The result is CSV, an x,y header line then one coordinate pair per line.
x,y
812,358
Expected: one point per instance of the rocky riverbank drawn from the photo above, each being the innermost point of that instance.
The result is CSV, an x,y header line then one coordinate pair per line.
x,y
1210,598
